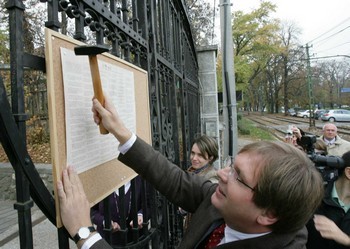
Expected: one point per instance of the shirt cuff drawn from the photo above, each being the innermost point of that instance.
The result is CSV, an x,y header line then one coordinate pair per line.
x,y
123,148
91,241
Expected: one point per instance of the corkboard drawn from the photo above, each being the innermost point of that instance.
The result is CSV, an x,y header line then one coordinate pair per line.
x,y
103,179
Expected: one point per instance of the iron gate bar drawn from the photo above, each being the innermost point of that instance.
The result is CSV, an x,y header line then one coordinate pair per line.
x,y
34,62
109,16
24,203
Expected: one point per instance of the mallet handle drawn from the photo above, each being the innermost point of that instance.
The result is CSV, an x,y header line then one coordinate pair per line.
x,y
96,81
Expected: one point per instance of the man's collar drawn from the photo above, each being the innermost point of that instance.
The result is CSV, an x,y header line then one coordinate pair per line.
x,y
329,142
233,235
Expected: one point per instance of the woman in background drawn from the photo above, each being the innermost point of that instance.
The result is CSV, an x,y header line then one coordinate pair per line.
x,y
204,153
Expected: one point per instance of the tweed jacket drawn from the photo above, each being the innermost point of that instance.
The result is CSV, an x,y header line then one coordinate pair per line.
x,y
193,193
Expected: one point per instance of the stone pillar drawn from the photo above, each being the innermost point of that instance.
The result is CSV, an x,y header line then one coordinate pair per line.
x,y
209,93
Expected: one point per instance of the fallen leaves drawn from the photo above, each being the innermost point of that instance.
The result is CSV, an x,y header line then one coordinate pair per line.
x,y
39,153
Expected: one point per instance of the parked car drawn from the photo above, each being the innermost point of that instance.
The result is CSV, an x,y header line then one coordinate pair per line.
x,y
291,112
318,113
303,114
336,115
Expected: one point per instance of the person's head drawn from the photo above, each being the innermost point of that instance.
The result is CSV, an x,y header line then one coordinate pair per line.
x,y
329,131
320,147
346,168
281,189
204,151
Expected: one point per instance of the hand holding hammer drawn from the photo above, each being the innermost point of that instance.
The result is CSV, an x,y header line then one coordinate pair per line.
x,y
92,52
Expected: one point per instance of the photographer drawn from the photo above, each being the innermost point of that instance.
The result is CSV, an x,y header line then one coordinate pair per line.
x,y
293,136
330,227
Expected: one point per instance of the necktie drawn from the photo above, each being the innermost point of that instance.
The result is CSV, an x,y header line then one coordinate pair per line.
x,y
215,237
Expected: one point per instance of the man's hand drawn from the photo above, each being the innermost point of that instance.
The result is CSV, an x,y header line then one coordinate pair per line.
x,y
115,226
110,119
329,230
74,206
139,221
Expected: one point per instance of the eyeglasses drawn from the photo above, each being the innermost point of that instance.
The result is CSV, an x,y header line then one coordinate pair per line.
x,y
229,162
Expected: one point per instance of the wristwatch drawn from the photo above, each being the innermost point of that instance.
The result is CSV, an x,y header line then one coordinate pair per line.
x,y
83,233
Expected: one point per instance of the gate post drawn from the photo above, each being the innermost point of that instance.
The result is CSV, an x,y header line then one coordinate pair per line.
x,y
24,202
209,93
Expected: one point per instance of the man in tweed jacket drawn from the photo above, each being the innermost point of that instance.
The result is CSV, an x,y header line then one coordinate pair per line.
x,y
264,197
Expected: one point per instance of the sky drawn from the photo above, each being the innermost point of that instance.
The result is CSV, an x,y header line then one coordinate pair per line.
x,y
325,25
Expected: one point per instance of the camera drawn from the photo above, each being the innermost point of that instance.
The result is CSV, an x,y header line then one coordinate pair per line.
x,y
289,134
307,142
327,165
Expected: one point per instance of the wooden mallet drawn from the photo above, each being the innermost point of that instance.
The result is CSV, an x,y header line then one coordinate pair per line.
x,y
92,52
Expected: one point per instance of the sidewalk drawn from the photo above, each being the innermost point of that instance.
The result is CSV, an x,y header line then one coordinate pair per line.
x,y
44,232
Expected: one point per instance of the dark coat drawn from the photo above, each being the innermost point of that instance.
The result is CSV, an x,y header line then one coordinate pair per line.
x,y
97,212
332,210
193,193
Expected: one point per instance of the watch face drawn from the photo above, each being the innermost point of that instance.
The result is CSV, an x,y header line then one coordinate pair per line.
x,y
84,232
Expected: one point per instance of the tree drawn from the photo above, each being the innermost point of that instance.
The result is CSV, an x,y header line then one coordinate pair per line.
x,y
34,23
4,46
330,77
291,63
254,38
268,59
202,18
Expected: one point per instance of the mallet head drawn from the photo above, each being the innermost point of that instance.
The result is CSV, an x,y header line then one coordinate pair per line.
x,y
90,50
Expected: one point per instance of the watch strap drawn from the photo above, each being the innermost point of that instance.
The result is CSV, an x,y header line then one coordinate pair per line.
x,y
76,237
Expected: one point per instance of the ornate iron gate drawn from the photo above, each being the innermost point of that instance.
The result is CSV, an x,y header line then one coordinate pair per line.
x,y
152,34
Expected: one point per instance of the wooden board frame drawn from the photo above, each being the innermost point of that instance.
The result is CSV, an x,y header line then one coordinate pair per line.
x,y
102,180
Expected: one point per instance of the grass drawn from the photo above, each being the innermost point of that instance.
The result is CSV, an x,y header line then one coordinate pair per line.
x,y
249,129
